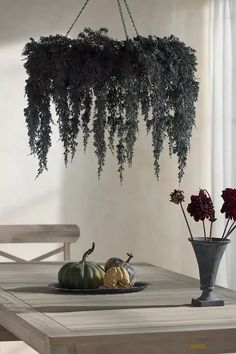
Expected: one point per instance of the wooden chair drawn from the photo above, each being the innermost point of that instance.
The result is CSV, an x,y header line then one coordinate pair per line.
x,y
65,234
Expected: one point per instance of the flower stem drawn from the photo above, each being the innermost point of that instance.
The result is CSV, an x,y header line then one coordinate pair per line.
x,y
231,229
211,230
225,229
204,229
186,221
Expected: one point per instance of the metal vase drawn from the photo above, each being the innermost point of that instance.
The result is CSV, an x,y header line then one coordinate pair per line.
x,y
208,254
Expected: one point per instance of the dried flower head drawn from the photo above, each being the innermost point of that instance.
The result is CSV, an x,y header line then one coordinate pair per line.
x,y
177,196
201,206
229,205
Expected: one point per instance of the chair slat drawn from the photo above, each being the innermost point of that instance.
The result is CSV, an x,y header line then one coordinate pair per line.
x,y
48,254
11,257
39,233
64,233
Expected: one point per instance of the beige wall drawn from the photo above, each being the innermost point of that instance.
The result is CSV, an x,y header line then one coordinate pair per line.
x,y
138,216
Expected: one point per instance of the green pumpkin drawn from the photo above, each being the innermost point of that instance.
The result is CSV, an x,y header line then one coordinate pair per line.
x,y
118,262
81,275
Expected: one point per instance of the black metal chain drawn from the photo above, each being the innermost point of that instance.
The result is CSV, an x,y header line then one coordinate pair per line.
x,y
131,17
121,15
122,18
82,9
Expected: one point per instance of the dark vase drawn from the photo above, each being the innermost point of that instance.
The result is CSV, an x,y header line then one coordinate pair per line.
x,y
208,254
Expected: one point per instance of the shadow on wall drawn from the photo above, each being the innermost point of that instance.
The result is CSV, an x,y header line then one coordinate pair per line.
x,y
32,18
38,202
107,213
137,217
20,20
133,217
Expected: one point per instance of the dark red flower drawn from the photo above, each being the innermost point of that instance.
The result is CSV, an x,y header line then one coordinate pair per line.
x,y
201,207
177,196
229,205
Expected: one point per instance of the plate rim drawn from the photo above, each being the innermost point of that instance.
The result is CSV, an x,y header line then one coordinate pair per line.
x,y
142,285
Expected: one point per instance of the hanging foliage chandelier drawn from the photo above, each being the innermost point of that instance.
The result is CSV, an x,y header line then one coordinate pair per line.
x,y
99,86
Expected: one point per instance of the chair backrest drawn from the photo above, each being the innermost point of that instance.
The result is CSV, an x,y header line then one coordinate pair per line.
x,y
65,234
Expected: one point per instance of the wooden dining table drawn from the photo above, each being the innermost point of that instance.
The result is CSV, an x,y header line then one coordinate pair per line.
x,y
156,320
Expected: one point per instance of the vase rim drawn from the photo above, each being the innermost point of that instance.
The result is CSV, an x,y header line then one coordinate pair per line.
x,y
213,240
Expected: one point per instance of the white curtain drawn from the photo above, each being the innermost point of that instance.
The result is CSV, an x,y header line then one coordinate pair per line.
x,y
222,40
231,264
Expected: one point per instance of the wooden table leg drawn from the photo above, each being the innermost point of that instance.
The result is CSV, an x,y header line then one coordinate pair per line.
x,y
71,349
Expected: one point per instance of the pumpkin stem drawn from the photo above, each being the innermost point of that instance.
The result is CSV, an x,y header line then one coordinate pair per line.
x,y
87,253
130,255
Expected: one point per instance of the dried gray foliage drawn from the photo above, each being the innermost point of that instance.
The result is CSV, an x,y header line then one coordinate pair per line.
x,y
99,85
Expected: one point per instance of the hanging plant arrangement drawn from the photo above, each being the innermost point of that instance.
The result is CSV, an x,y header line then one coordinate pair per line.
x,y
99,85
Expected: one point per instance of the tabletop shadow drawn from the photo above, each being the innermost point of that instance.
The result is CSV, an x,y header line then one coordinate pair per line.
x,y
58,309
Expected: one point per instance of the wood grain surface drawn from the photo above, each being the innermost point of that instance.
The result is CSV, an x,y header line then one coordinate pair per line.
x,y
156,320
54,233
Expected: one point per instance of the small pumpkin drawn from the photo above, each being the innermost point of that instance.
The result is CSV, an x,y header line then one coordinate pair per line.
x,y
117,277
81,275
117,262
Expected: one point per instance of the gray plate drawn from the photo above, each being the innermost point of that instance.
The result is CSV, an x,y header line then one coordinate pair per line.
x,y
138,286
